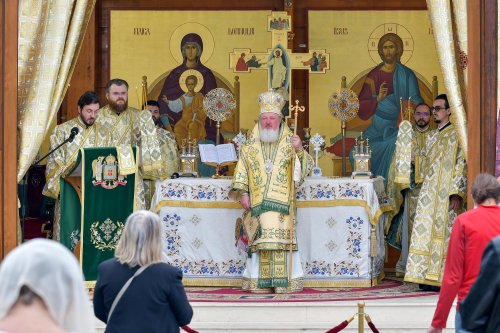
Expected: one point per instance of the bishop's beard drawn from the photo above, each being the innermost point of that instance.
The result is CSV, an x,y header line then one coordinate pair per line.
x,y
269,135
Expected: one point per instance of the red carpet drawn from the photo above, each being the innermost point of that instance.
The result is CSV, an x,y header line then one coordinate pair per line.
x,y
388,288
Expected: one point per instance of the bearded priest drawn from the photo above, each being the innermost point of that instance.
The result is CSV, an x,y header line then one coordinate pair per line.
x,y
272,163
127,126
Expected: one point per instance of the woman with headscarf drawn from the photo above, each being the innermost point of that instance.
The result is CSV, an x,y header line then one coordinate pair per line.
x,y
136,291
42,289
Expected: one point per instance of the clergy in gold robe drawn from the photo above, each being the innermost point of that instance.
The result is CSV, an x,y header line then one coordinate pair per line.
x,y
271,164
404,195
61,162
169,151
441,199
127,126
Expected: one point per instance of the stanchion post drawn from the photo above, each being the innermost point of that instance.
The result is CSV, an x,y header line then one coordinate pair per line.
x,y
361,317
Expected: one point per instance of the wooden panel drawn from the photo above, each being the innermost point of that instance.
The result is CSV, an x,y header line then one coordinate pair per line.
x,y
8,126
482,88
474,95
83,78
490,85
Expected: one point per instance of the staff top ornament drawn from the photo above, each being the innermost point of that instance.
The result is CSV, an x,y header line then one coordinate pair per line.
x,y
344,104
219,104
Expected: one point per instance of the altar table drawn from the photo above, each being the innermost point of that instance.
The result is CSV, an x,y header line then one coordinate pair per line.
x,y
340,230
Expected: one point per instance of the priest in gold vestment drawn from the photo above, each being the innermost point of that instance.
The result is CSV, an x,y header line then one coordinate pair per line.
x,y
404,196
127,126
441,199
271,162
169,151
62,161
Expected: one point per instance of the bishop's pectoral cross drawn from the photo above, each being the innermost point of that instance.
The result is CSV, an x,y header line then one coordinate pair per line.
x,y
279,61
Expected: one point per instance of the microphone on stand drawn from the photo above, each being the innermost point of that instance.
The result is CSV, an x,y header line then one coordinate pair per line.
x,y
74,132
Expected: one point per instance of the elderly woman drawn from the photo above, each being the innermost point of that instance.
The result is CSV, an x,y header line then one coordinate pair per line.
x,y
42,289
136,291
470,234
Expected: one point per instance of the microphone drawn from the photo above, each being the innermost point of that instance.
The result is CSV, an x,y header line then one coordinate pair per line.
x,y
74,132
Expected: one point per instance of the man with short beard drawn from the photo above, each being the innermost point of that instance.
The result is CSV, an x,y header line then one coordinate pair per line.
x,y
270,162
128,126
441,199
169,150
403,197
61,161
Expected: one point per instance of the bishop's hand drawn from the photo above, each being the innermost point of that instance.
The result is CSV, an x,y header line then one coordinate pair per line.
x,y
245,201
297,143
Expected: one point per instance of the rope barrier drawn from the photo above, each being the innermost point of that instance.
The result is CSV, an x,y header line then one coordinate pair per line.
x,y
188,329
340,326
361,315
371,324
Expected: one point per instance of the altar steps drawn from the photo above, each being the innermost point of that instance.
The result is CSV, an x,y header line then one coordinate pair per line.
x,y
396,315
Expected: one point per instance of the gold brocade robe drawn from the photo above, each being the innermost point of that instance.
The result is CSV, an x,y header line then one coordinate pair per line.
x,y
169,151
266,172
445,175
395,191
134,127
419,141
269,191
170,160
63,160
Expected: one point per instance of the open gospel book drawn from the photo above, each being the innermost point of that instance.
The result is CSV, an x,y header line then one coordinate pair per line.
x,y
217,155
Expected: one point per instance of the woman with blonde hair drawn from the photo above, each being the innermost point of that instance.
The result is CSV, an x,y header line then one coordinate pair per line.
x,y
136,291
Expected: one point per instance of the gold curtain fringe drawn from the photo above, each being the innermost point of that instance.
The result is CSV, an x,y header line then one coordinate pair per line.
x,y
445,26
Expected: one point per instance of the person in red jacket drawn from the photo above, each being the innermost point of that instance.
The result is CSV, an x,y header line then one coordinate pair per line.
x,y
470,234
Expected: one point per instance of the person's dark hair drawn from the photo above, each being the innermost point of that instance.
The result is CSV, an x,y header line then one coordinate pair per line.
x,y
152,103
116,82
485,187
422,104
26,295
445,99
89,97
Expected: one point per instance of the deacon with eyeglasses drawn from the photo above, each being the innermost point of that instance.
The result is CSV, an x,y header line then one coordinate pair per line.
x,y
441,199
